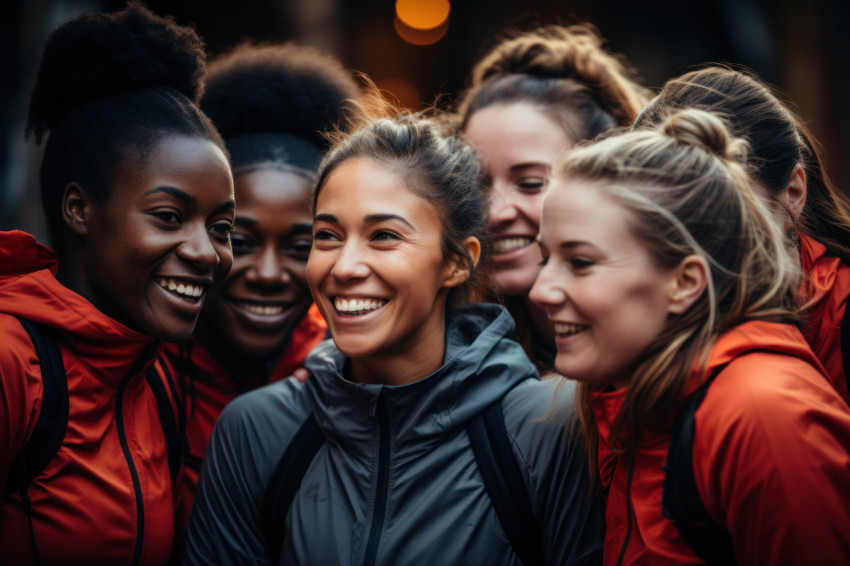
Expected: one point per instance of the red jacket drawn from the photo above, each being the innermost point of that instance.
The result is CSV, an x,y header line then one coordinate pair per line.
x,y
211,387
826,286
770,456
85,508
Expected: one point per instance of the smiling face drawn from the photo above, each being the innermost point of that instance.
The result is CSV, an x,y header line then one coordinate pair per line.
x,y
518,145
266,293
161,240
599,286
376,270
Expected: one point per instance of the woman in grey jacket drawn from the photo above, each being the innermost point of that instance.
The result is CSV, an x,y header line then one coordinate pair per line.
x,y
398,226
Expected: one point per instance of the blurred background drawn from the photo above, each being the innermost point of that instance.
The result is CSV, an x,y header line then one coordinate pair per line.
x,y
419,49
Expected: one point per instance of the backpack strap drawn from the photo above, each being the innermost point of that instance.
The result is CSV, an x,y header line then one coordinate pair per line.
x,y
286,480
681,501
173,431
845,343
53,419
505,486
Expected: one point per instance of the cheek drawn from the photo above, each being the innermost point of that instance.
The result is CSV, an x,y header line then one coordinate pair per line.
x,y
318,268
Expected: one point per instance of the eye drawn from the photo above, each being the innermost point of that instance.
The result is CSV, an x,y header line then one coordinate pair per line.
x,y
324,234
241,243
167,216
580,263
531,185
300,249
386,235
222,229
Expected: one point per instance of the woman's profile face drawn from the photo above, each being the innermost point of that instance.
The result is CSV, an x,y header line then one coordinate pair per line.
x,y
160,241
599,286
377,270
518,144
266,293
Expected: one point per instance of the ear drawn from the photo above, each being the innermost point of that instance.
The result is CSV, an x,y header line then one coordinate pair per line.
x,y
793,196
690,278
76,209
458,273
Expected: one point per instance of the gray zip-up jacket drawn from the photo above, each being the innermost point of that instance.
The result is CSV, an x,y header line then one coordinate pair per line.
x,y
434,507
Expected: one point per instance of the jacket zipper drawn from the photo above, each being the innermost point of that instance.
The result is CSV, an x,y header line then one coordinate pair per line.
x,y
382,487
628,511
128,456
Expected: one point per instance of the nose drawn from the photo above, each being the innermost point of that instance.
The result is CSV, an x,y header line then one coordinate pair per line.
x,y
547,292
350,263
268,269
501,207
198,249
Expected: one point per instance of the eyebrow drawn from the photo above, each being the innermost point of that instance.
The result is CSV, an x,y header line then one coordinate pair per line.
x,y
251,222
368,219
521,166
189,199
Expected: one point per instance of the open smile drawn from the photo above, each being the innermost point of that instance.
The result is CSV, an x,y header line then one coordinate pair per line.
x,y
357,306
564,329
263,313
511,243
185,290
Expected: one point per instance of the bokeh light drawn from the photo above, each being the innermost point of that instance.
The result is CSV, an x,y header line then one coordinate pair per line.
x,y
422,14
421,36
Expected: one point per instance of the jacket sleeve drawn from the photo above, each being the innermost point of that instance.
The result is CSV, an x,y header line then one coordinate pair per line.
x,y
771,461
539,417
20,392
225,526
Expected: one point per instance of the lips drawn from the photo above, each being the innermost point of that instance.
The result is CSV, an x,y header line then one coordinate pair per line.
x,y
567,329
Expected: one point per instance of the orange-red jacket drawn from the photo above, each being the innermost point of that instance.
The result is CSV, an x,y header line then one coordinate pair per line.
x,y
825,289
106,496
212,387
770,457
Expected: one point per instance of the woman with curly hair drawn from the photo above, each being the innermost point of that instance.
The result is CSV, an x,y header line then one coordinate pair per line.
x,y
138,196
533,97
271,104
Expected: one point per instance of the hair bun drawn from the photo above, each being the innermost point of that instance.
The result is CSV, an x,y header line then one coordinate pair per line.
x,y
102,54
703,129
286,88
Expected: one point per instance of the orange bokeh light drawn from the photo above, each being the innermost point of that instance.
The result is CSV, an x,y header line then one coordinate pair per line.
x,y
420,36
422,14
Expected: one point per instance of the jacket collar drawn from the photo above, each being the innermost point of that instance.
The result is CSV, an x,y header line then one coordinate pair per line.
x,y
481,364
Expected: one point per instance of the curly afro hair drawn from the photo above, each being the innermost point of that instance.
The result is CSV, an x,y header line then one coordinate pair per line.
x,y
110,86
264,95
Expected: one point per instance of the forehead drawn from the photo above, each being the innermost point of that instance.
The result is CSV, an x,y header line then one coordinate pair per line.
x,y
579,210
518,131
362,185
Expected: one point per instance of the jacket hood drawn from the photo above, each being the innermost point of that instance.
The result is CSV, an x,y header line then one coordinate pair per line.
x,y
29,289
481,364
755,335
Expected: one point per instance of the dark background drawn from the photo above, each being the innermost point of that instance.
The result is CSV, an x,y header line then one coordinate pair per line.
x,y
802,48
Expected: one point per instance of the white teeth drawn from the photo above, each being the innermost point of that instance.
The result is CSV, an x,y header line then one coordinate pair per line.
x,y
564,328
358,306
184,289
510,244
264,310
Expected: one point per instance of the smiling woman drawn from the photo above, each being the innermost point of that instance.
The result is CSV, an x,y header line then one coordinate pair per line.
x,y
397,235
271,103
139,201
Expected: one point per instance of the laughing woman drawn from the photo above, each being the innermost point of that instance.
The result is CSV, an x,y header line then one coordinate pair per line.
x,y
664,303
397,235
270,103
138,196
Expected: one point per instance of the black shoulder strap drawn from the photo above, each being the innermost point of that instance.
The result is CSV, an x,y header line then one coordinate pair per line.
x,y
680,498
170,428
285,481
504,483
845,343
53,419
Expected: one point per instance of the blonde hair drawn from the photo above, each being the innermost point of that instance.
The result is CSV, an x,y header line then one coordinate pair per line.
x,y
564,70
688,192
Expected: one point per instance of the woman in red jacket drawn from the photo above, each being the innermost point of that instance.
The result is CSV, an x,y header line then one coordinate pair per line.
x,y
788,172
138,196
270,103
664,271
